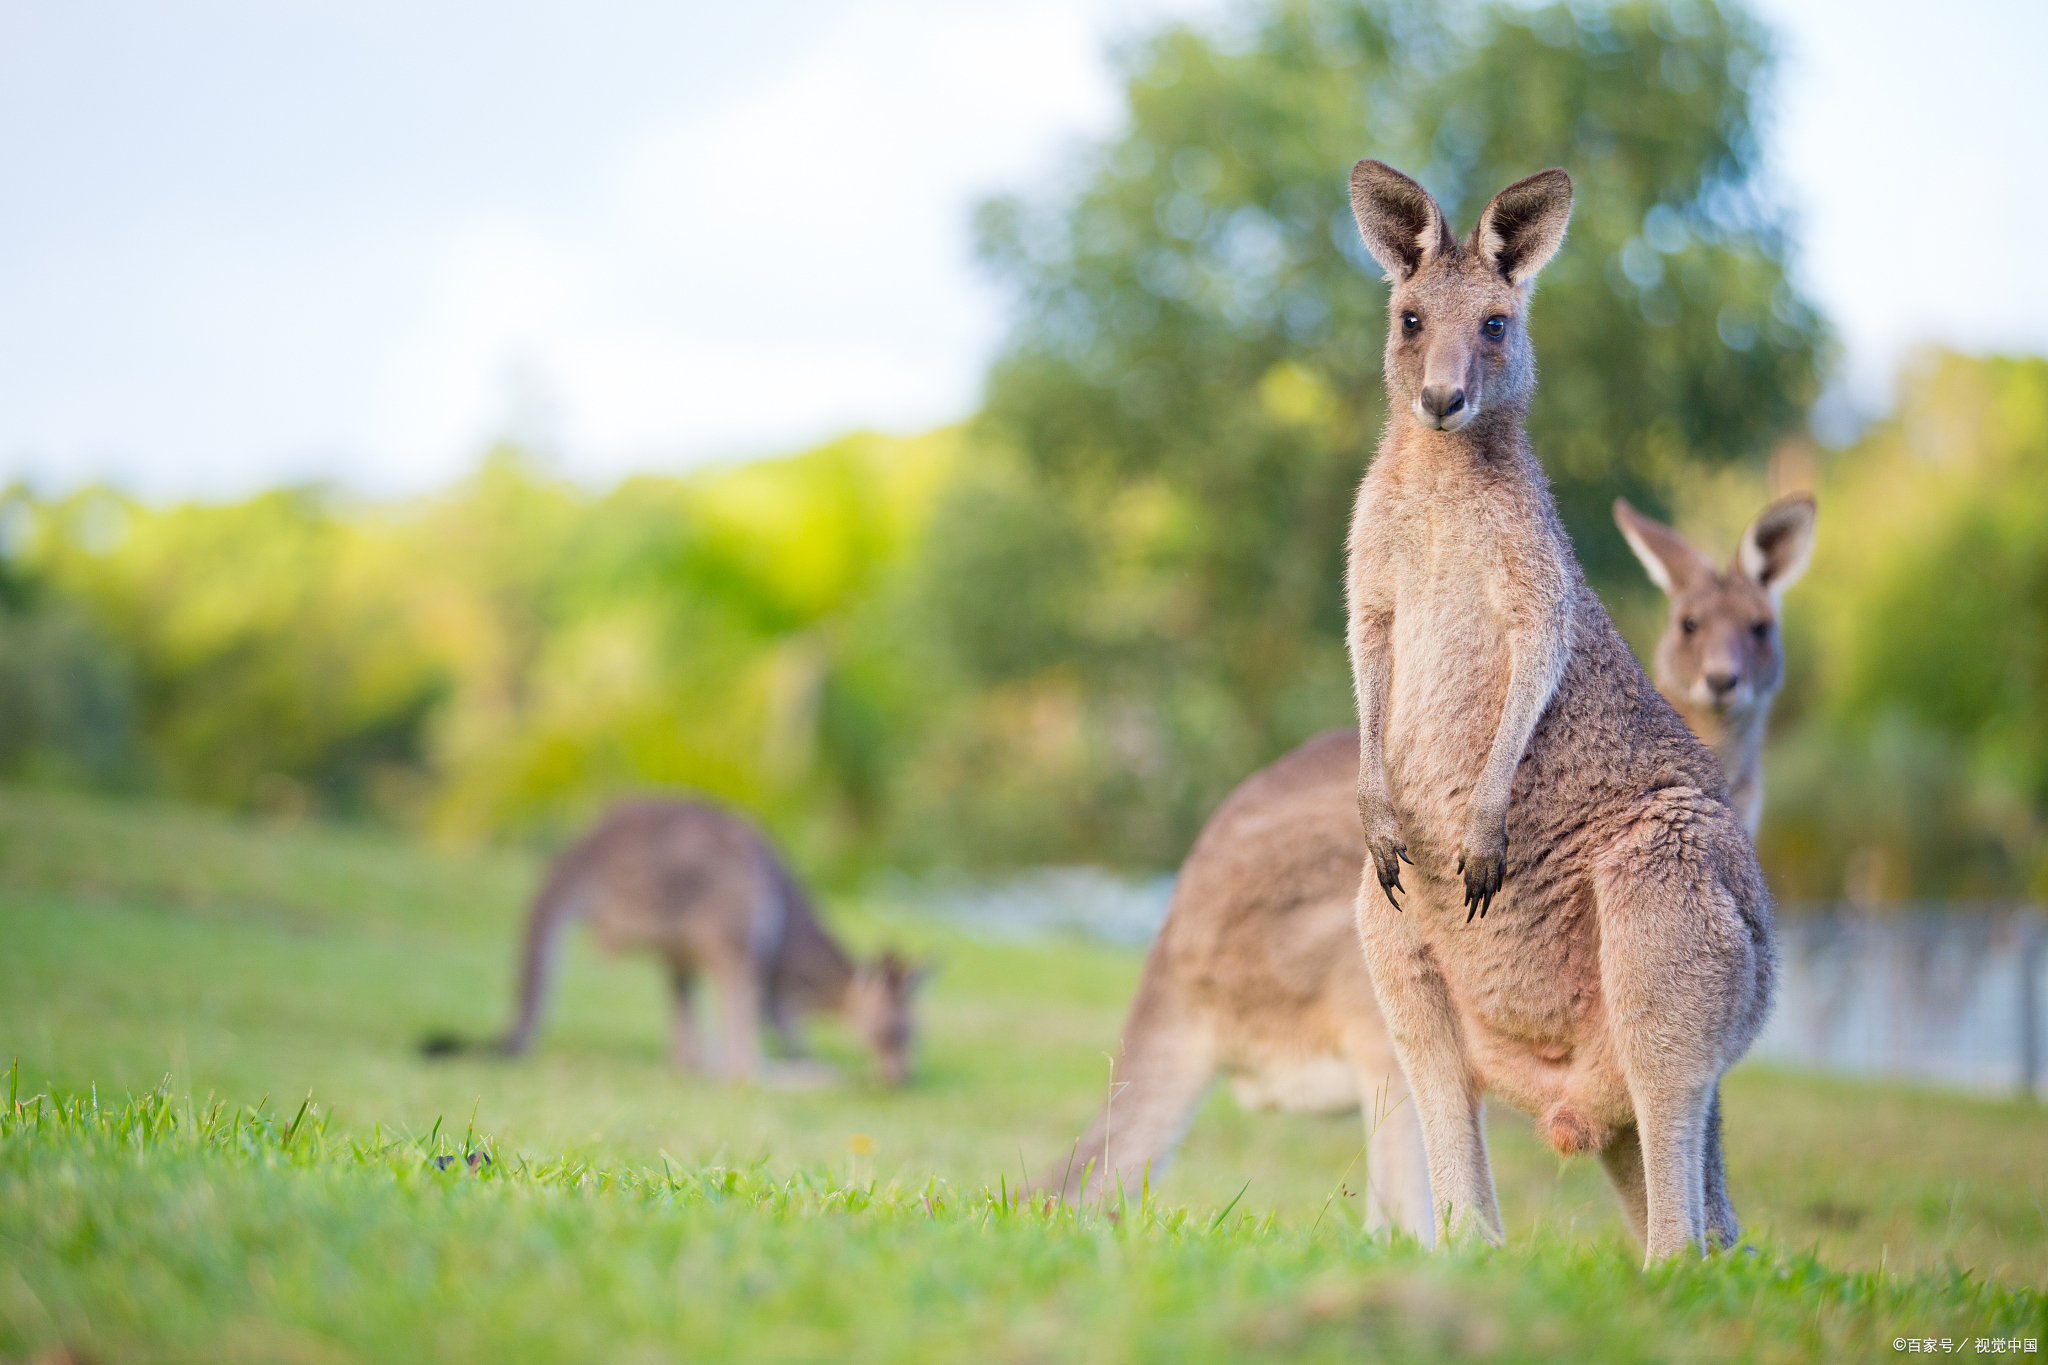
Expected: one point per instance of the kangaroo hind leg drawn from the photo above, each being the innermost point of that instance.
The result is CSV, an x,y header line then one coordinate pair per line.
x,y
685,1049
1420,1015
1397,1164
1675,963
1723,1229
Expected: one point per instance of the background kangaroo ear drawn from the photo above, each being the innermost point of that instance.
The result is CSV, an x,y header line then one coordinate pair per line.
x,y
1524,225
1402,226
1778,543
1667,556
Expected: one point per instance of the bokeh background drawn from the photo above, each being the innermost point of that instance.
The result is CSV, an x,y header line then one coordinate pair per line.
x,y
932,428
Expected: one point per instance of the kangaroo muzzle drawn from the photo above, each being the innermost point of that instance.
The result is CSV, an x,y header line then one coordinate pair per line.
x,y
1447,399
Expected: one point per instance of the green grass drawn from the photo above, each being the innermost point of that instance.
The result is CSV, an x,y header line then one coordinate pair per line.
x,y
162,972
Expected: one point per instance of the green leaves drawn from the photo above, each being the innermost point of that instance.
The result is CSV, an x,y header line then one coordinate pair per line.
x,y
1199,325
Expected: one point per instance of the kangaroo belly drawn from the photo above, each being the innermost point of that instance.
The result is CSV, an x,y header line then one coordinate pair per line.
x,y
1313,1085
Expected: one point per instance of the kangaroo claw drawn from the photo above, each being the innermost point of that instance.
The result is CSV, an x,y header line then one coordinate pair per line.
x,y
1386,865
1484,871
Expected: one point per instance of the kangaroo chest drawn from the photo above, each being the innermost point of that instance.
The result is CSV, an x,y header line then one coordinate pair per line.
x,y
1449,681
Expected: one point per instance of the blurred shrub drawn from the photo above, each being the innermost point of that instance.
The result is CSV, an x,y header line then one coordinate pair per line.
x,y
497,660
1191,389
65,694
1063,634
1919,765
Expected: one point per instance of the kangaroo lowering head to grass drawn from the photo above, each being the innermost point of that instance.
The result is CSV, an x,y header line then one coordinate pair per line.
x,y
1562,907
702,890
1720,660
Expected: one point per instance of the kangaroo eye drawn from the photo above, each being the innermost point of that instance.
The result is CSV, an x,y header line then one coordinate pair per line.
x,y
1410,324
1762,630
1496,328
1688,625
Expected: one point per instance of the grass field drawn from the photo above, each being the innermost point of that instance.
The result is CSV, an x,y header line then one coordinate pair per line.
x,y
175,985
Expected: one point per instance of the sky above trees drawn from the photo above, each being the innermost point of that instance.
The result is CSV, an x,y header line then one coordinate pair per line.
x,y
248,244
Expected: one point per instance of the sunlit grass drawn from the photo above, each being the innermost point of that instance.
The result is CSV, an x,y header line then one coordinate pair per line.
x,y
246,1233
631,1213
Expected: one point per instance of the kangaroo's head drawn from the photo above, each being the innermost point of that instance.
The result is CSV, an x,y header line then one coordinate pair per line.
x,y
1720,649
879,1002
1457,340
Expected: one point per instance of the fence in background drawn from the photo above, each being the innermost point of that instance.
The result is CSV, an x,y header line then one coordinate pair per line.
x,y
1953,994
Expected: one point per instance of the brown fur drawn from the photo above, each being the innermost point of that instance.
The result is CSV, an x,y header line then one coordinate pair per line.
x,y
1514,755
1252,973
1256,973
1720,660
702,890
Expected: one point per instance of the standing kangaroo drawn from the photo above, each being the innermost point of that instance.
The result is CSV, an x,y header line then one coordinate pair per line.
x,y
702,889
1514,754
1254,971
1720,660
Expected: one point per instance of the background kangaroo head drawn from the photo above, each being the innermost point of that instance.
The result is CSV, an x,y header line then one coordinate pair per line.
x,y
878,1002
1457,340
1721,648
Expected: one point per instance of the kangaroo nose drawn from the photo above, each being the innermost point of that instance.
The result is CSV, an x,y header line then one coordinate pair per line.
x,y
1722,683
1440,401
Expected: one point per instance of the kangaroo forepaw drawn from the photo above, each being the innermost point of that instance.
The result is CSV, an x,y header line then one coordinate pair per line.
x,y
1485,869
1390,881
1383,841
1388,853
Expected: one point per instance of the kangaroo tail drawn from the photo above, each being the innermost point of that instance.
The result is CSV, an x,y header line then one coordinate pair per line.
x,y
553,908
1166,1065
559,901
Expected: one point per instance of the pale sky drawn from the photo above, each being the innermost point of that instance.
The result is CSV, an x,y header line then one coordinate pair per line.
x,y
252,241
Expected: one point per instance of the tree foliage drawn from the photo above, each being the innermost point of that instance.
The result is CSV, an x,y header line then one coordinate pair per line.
x,y
1063,633
1920,763
1191,389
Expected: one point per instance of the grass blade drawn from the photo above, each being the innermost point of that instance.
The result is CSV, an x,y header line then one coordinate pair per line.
x,y
1217,1221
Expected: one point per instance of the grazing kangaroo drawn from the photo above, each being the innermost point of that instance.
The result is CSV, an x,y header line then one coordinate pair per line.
x,y
703,890
1514,754
1720,661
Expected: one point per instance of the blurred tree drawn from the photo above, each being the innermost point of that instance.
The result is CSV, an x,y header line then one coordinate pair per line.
x,y
66,712
1923,766
264,673
1192,384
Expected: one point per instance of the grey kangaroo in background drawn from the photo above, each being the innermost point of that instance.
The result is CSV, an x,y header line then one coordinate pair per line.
x,y
1720,660
1515,759
1254,972
703,890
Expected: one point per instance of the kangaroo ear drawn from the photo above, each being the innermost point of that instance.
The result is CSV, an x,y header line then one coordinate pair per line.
x,y
1524,225
1667,556
1778,544
1402,226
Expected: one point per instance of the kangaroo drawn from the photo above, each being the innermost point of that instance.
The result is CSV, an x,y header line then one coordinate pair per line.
x,y
1720,660
1256,972
1253,972
1516,758
702,889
